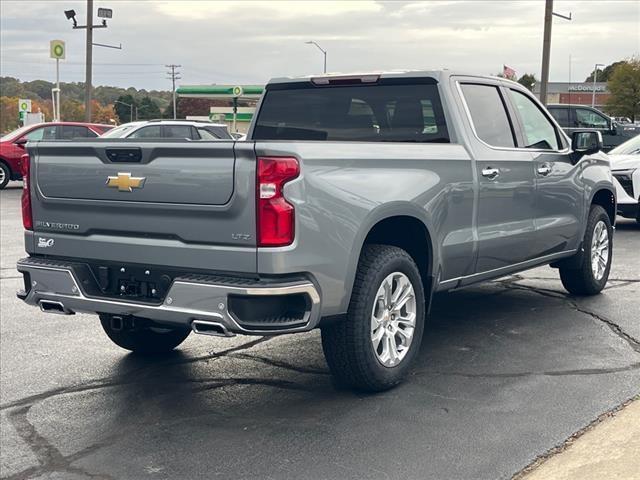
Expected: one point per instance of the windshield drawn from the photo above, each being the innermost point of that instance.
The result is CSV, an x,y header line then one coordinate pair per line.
x,y
630,147
118,132
16,133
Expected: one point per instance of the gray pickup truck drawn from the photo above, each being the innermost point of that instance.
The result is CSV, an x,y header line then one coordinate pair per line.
x,y
353,200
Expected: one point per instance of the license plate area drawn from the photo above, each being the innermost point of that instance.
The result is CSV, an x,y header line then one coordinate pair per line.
x,y
130,282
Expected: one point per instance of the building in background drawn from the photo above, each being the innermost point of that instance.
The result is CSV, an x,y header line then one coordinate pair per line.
x,y
575,93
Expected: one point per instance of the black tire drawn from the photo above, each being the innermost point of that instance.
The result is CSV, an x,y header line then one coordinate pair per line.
x,y
143,339
348,346
5,175
580,278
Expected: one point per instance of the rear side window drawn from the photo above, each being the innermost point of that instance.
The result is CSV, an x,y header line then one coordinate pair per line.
x,y
73,131
177,131
488,115
561,115
382,112
147,132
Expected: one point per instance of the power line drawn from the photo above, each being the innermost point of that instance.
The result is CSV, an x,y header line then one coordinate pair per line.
x,y
174,75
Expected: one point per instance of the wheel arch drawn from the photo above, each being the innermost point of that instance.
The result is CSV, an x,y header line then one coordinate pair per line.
x,y
606,198
417,241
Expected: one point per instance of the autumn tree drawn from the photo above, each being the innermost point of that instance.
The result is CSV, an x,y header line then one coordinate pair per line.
x,y
528,80
624,86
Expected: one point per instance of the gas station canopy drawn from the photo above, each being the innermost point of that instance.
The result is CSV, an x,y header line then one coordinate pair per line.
x,y
221,91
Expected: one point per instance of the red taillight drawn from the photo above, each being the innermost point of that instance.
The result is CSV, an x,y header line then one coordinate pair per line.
x,y
25,169
275,216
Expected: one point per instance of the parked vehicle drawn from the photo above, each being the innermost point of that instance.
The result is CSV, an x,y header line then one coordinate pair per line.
x,y
625,164
580,117
353,200
12,144
622,120
180,129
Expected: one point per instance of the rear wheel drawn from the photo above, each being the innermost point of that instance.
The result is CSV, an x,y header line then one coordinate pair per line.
x,y
374,347
132,334
5,175
590,276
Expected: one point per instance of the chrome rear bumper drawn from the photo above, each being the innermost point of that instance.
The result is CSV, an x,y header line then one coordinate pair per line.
x,y
190,297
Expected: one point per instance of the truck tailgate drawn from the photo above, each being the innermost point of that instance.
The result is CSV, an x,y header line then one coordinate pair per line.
x,y
174,203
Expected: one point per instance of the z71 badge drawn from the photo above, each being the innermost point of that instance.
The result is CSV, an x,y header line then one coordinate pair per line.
x,y
45,242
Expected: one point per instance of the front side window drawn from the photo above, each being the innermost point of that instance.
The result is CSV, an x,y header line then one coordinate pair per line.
x,y
488,114
539,132
387,111
147,132
42,133
590,119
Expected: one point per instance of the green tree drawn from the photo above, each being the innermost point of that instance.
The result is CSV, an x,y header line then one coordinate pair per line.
x,y
604,74
124,112
528,80
624,86
148,109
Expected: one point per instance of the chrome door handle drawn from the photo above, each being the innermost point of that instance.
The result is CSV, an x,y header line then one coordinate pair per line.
x,y
490,172
544,169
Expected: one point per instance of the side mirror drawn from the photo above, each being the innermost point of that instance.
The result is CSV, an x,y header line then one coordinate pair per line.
x,y
21,141
585,142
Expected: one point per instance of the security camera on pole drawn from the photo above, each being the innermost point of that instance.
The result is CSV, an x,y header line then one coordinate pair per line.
x,y
57,50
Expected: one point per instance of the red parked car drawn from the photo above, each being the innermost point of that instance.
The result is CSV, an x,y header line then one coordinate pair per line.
x,y
12,144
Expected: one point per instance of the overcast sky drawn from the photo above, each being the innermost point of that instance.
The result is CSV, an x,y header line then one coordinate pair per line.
x,y
250,42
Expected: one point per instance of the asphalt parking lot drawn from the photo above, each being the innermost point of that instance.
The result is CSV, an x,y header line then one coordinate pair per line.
x,y
508,370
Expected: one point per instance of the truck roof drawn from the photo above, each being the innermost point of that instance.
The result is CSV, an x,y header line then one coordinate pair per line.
x,y
438,75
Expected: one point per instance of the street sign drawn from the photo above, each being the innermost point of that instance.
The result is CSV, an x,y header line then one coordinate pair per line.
x,y
24,105
57,49
237,91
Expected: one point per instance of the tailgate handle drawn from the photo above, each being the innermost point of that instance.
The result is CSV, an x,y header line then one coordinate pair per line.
x,y
124,155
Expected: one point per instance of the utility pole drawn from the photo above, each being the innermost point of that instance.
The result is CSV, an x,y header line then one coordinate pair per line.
x,y
174,76
546,47
546,50
88,63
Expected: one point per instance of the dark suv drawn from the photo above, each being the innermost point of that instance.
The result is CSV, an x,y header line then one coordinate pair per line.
x,y
580,117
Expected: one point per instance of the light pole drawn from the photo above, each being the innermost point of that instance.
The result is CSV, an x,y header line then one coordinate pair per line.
x,y
130,105
546,47
104,13
324,53
595,76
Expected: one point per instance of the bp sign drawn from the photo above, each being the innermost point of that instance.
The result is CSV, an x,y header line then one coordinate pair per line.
x,y
237,91
57,49
24,105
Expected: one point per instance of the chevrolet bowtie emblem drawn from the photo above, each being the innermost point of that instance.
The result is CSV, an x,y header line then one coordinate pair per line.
x,y
124,182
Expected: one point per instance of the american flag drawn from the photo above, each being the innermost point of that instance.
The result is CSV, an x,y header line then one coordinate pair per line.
x,y
508,72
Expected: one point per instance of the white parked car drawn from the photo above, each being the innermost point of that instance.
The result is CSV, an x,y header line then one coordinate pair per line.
x,y
625,166
189,129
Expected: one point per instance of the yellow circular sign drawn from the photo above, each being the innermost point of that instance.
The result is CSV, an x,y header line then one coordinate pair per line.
x,y
58,50
24,106
237,91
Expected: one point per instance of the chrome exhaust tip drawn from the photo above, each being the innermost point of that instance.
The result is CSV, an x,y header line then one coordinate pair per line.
x,y
52,306
215,329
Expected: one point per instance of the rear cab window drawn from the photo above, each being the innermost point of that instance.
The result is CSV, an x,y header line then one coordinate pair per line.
x,y
390,110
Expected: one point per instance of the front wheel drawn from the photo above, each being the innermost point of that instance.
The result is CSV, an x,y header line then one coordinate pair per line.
x,y
591,274
132,334
374,347
5,175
